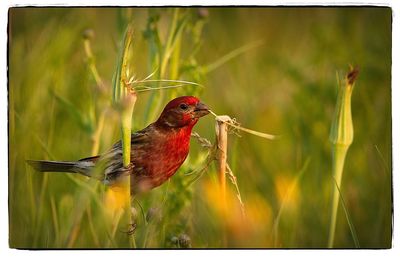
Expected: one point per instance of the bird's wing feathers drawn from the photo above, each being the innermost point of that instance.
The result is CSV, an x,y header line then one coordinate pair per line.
x,y
111,161
92,158
141,136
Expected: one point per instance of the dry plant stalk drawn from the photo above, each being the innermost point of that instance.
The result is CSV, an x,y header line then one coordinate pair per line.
x,y
231,122
233,179
221,130
222,126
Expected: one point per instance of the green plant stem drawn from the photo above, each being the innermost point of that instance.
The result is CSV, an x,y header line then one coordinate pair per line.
x,y
97,134
341,136
126,128
177,25
169,44
100,122
338,155
91,62
125,97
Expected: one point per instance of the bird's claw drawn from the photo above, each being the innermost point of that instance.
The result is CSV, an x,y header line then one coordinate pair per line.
x,y
127,170
131,229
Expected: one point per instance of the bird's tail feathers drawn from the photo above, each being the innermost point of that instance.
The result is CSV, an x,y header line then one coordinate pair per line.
x,y
52,166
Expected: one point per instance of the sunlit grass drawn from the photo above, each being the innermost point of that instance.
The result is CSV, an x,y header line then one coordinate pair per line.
x,y
286,86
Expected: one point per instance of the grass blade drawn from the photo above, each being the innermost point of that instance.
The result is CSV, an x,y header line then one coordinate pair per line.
x,y
288,194
349,222
229,56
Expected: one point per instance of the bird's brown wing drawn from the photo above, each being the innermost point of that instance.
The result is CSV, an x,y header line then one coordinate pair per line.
x,y
142,136
113,158
111,161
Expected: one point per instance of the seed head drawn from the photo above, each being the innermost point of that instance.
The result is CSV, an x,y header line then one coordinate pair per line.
x,y
88,34
202,13
342,124
184,241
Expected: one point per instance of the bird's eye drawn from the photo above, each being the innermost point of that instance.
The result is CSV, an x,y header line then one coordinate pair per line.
x,y
183,106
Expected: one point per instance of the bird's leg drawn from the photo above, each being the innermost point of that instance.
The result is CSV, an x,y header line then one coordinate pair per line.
x,y
120,172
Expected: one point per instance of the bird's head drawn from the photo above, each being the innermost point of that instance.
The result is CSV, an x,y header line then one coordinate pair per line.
x,y
182,111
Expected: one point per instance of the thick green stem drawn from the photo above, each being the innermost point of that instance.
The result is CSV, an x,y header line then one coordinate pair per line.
x,y
126,127
341,137
338,156
124,97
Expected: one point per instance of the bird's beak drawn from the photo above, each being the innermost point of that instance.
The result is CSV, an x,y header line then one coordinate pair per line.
x,y
201,110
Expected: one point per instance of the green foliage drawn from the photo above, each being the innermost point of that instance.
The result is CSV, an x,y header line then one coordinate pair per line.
x,y
285,85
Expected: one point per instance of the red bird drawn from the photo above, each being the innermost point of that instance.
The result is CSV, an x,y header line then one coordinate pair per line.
x,y
157,151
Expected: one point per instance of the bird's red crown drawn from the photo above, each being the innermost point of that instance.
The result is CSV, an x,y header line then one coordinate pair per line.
x,y
189,100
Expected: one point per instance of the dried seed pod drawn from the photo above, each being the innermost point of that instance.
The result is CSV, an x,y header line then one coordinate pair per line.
x,y
88,34
202,13
184,241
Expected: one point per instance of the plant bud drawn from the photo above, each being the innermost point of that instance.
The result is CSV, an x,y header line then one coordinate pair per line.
x,y
202,13
88,34
341,137
342,125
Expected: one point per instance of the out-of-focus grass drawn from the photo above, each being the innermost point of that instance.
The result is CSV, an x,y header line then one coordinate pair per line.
x,y
286,86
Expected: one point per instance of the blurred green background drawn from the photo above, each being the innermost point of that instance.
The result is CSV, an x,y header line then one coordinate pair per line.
x,y
274,69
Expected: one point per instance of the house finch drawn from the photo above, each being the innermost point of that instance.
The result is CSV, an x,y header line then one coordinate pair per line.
x,y
157,151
